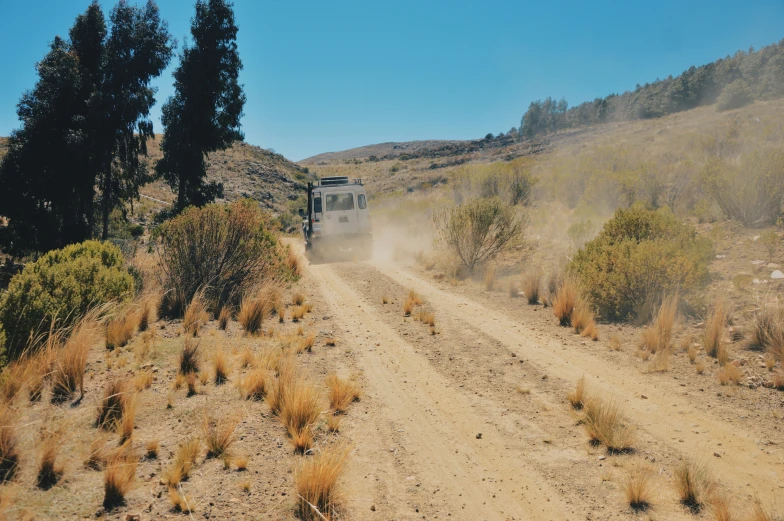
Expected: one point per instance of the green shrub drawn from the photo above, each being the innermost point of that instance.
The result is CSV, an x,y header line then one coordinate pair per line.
x,y
477,231
61,286
637,257
223,249
734,96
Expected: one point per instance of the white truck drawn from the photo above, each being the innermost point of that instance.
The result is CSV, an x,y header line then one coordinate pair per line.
x,y
337,219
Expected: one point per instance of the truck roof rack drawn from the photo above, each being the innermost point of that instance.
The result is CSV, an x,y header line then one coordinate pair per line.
x,y
334,181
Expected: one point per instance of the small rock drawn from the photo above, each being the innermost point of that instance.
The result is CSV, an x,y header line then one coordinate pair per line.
x,y
133,517
478,435
602,457
717,454
643,397
372,508
777,274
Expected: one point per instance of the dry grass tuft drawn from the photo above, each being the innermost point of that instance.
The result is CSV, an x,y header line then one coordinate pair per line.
x,y
297,299
606,424
241,462
384,299
113,404
318,484
768,332
196,315
700,366
427,317
694,484
180,502
120,330
531,284
660,362
294,262
219,434
254,385
305,344
615,343
118,477
514,290
778,380
143,380
564,302
67,363
760,513
713,336
330,342
649,339
49,472
658,336
190,381
151,449
638,488
221,367
9,443
97,456
342,393
333,422
729,374
224,317
128,418
247,358
722,509
146,313
692,351
415,298
770,363
189,357
184,459
297,312
408,307
582,317
253,311
489,279
299,411
577,396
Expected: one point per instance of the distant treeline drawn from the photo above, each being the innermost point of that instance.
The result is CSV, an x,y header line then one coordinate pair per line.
x,y
731,82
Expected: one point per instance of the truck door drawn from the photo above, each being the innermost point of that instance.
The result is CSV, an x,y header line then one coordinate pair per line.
x,y
340,216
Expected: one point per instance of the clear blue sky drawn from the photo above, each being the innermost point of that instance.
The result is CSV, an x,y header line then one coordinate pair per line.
x,y
325,76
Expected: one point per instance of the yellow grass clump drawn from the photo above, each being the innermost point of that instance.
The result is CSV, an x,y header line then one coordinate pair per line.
x,y
606,424
694,484
294,261
120,330
300,409
224,317
9,443
49,471
180,502
408,307
318,484
616,343
342,392
67,362
564,302
219,434
577,396
143,380
729,374
531,283
189,357
713,336
221,367
151,449
297,299
489,279
184,459
638,487
119,476
196,315
253,311
297,312
254,385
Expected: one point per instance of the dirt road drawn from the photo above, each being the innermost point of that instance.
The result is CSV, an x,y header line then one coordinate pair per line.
x,y
473,424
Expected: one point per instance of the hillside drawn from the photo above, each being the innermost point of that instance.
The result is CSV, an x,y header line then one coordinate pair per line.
x,y
245,171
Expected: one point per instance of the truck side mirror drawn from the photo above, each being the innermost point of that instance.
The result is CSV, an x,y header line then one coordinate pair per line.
x,y
301,212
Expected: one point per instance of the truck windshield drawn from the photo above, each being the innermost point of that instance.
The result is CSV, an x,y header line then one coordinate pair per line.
x,y
340,202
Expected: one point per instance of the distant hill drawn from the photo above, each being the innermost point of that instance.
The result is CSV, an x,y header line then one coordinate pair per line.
x,y
245,171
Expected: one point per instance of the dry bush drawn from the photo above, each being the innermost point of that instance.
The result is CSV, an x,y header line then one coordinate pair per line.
x,y
713,336
67,363
221,367
254,385
606,424
489,279
224,317
225,249
118,476
478,230
638,487
577,396
694,484
219,434
729,373
318,484
184,459
342,393
49,471
564,302
301,407
143,380
196,315
9,443
531,283
151,449
189,357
